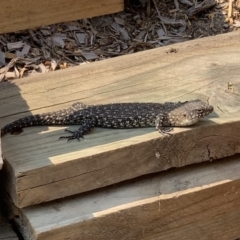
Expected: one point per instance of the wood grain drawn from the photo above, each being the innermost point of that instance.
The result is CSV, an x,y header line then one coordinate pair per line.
x,y
194,202
26,14
40,168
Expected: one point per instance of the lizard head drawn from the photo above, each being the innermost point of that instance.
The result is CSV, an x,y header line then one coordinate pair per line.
x,y
188,113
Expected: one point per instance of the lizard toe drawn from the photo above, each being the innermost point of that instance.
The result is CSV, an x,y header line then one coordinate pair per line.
x,y
75,135
165,130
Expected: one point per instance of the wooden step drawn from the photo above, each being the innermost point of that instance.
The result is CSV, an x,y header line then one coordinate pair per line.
x,y
41,168
201,201
15,15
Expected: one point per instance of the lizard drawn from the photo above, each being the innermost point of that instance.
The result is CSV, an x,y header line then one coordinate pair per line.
x,y
162,116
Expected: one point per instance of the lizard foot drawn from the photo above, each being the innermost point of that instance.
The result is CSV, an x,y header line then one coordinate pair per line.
x,y
165,130
87,126
75,135
159,122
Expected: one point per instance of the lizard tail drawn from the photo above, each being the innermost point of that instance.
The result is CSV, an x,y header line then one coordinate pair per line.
x,y
35,120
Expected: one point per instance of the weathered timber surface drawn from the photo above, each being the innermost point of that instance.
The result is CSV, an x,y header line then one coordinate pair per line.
x,y
25,14
195,202
41,168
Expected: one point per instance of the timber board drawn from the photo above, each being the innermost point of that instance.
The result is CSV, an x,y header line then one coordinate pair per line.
x,y
40,168
194,202
26,14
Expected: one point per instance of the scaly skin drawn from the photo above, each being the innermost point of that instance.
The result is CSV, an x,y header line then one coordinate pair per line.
x,y
163,116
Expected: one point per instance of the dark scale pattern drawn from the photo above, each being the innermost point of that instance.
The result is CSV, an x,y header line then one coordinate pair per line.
x,y
117,115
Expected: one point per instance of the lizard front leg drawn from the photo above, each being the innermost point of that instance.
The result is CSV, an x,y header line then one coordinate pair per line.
x,y
160,124
87,126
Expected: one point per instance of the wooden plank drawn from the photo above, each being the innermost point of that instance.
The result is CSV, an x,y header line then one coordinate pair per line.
x,y
40,168
15,15
195,202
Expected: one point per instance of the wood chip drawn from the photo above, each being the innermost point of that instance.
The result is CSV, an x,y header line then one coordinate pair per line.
x,y
81,38
119,20
10,75
2,59
89,55
42,68
58,41
53,64
15,45
45,32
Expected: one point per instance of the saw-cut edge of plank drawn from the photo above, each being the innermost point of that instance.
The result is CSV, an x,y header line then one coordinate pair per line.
x,y
194,202
39,168
27,14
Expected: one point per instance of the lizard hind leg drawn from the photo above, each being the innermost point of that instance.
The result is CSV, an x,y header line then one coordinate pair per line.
x,y
87,126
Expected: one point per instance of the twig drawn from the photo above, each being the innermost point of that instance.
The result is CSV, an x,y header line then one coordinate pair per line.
x,y
4,70
176,4
203,6
160,17
148,7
